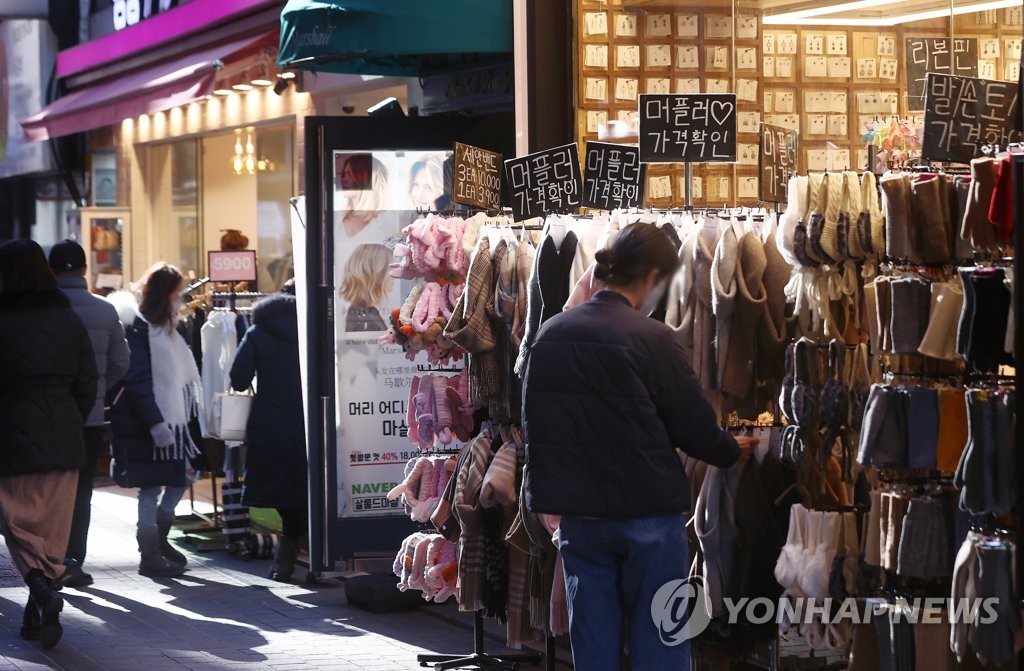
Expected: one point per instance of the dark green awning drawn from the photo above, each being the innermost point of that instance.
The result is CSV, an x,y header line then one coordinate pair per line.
x,y
390,37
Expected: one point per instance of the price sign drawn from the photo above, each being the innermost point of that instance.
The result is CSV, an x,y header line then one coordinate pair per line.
x,y
477,177
545,182
690,128
232,266
963,114
777,162
933,54
614,176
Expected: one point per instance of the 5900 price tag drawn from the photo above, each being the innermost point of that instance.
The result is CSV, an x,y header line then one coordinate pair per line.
x,y
232,266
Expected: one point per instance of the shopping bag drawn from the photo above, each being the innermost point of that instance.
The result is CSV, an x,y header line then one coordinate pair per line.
x,y
231,415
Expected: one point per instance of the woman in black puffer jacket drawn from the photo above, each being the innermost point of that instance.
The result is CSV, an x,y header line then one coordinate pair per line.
x,y
47,388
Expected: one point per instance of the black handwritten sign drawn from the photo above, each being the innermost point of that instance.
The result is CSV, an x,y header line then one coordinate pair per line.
x,y
933,54
963,114
777,162
477,177
613,176
545,182
685,128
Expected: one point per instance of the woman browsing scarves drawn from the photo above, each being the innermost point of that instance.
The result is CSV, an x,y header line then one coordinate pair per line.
x,y
608,397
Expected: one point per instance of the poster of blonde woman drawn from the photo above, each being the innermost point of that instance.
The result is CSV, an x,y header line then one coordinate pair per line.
x,y
376,194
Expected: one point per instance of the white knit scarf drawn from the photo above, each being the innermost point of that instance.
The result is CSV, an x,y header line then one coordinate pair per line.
x,y
177,388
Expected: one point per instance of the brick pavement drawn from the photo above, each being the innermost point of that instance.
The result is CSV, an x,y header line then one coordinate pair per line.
x,y
220,616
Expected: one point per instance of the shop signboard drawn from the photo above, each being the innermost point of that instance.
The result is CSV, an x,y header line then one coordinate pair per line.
x,y
688,128
477,177
613,176
964,114
545,182
777,163
27,53
933,54
376,195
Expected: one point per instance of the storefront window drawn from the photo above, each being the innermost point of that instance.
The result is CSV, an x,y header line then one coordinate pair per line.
x,y
174,197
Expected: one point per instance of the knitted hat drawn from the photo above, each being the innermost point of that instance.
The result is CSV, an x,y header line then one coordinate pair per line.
x,y
795,212
930,219
939,340
896,205
976,226
911,305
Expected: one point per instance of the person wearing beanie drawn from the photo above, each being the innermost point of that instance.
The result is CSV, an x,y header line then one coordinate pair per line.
x,y
896,205
110,351
608,397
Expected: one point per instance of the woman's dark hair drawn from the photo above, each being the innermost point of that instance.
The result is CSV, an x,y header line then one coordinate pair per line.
x,y
24,268
160,287
636,251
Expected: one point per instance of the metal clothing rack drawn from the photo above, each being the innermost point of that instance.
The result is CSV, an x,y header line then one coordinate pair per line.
x,y
479,659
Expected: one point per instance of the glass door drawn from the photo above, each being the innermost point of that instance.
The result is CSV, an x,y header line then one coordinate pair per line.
x,y
103,237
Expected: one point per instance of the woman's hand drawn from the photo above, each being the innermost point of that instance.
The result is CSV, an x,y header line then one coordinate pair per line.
x,y
747,445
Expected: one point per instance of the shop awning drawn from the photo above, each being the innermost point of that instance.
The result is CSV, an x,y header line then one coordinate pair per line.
x,y
397,37
152,90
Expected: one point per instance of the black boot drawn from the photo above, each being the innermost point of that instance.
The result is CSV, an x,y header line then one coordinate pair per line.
x,y
284,559
167,551
151,563
30,621
50,604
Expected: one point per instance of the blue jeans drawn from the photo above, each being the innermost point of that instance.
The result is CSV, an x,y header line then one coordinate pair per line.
x,y
150,501
613,569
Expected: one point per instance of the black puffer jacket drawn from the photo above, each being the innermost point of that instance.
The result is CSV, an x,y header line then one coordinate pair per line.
x,y
608,396
276,474
47,384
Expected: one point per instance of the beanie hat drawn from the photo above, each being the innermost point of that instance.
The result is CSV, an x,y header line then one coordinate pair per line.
x,y
896,204
67,255
939,339
929,207
911,303
976,225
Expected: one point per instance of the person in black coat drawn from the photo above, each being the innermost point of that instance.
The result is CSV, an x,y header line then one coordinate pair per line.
x,y
155,418
47,389
608,397
276,474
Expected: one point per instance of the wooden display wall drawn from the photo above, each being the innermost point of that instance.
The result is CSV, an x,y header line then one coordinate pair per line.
x,y
826,83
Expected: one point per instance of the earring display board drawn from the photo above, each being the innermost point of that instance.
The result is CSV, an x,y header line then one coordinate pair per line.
x,y
825,82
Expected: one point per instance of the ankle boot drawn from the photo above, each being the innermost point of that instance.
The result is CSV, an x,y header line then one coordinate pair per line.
x,y
151,563
167,551
284,559
49,604
30,621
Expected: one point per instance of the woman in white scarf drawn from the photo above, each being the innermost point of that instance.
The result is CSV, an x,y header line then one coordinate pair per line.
x,y
155,417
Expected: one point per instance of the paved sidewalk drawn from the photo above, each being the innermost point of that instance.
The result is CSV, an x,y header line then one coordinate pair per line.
x,y
222,615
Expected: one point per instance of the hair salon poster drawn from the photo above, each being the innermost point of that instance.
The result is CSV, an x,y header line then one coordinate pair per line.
x,y
376,194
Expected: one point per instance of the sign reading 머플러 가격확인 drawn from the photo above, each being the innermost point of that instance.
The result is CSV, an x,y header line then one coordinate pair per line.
x,y
777,163
545,182
963,114
477,177
688,128
613,176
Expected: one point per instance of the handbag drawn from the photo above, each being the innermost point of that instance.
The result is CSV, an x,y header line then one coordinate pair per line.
x,y
231,415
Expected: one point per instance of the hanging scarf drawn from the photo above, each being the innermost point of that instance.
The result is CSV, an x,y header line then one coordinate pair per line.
x,y
177,389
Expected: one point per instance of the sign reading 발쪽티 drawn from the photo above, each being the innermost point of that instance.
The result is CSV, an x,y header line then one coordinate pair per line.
x,y
963,114
545,182
688,128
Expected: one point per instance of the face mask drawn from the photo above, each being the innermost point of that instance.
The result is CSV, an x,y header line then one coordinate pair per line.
x,y
650,303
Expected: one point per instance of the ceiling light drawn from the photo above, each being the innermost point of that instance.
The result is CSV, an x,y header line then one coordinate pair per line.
x,y
829,15
222,92
389,107
287,74
261,82
242,86
281,86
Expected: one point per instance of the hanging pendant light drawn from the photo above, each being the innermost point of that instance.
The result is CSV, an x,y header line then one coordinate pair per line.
x,y
238,160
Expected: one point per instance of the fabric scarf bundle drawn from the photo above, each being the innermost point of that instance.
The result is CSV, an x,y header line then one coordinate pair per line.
x,y
177,389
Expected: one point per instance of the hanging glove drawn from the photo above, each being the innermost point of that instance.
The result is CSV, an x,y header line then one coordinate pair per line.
x,y
162,435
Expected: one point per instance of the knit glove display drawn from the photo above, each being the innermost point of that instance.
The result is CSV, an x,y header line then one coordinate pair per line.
x,y
162,435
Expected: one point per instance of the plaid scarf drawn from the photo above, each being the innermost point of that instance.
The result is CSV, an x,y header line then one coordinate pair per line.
x,y
466,505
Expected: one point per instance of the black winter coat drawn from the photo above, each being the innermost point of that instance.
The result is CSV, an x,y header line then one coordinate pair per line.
x,y
133,413
276,474
47,384
607,397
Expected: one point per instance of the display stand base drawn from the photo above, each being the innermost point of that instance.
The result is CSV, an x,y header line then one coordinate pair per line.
x,y
478,659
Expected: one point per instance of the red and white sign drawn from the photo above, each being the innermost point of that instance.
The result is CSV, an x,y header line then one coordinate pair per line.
x,y
232,266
